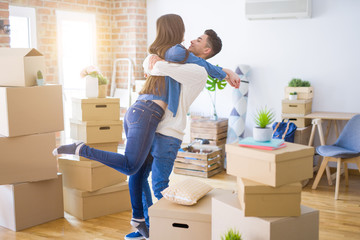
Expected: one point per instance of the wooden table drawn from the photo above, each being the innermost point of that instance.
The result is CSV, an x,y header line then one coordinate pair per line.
x,y
332,118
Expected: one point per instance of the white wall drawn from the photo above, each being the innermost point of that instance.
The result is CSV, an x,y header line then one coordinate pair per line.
x,y
324,50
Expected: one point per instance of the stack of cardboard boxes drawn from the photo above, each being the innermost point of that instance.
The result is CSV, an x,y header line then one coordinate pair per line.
x,y
31,189
92,189
268,203
295,111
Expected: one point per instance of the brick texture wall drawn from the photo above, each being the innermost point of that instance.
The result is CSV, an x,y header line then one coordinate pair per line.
x,y
121,32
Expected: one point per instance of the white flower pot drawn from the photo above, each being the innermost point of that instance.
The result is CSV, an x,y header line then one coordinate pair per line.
x,y
262,134
91,87
292,97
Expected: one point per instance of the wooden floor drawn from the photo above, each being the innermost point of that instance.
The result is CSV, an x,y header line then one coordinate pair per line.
x,y
338,219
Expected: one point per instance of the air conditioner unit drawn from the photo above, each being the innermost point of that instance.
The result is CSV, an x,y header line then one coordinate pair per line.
x,y
275,9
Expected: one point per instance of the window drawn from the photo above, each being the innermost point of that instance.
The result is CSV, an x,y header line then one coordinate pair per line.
x,y
76,50
23,27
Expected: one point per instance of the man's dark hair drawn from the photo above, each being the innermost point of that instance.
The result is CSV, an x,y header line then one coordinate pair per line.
x,y
214,42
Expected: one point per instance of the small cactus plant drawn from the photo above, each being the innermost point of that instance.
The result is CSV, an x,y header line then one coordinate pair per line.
x,y
39,75
39,78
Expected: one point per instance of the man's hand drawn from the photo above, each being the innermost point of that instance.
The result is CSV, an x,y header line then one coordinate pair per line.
x,y
232,78
154,59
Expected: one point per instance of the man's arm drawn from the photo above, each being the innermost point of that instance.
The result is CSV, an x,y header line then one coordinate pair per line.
x,y
182,73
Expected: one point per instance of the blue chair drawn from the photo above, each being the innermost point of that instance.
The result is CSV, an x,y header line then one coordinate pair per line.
x,y
345,150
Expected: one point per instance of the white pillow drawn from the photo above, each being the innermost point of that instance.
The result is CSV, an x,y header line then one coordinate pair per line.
x,y
187,192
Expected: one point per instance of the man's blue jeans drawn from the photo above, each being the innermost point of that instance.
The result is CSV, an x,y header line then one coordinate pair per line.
x,y
140,123
161,161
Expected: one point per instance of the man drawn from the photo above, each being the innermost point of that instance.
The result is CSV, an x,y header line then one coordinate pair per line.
x,y
169,132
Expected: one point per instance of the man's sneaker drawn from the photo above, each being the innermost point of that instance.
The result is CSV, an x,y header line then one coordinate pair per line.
x,y
134,236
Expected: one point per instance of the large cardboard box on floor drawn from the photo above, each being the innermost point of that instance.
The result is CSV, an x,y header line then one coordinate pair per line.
x,y
259,200
178,222
290,164
88,175
96,109
227,214
30,110
19,66
24,205
27,158
109,147
86,205
96,131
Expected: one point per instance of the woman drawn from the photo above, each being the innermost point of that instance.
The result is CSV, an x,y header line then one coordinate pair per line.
x,y
144,115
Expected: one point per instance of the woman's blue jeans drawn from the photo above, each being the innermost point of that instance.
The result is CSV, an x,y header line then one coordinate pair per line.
x,y
161,161
140,123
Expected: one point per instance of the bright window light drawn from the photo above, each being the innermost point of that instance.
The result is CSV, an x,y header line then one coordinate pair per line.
x,y
76,34
23,27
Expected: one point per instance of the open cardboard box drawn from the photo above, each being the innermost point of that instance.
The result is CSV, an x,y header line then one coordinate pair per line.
x,y
19,66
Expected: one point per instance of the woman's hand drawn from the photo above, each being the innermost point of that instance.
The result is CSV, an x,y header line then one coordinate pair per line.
x,y
154,59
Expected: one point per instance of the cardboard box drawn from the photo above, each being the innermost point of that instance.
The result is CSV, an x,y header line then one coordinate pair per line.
x,y
202,161
30,110
24,205
19,66
259,200
96,109
227,214
178,222
27,158
86,205
303,93
297,119
302,135
96,131
88,175
301,107
290,164
109,147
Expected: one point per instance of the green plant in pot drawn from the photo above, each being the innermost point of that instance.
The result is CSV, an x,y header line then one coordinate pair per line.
x,y
212,85
40,79
293,96
231,235
263,117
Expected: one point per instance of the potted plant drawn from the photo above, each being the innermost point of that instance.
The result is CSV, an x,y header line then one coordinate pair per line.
x,y
96,83
302,88
263,118
212,85
231,235
293,96
39,78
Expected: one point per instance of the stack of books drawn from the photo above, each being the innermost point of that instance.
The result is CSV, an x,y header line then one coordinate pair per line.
x,y
273,144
